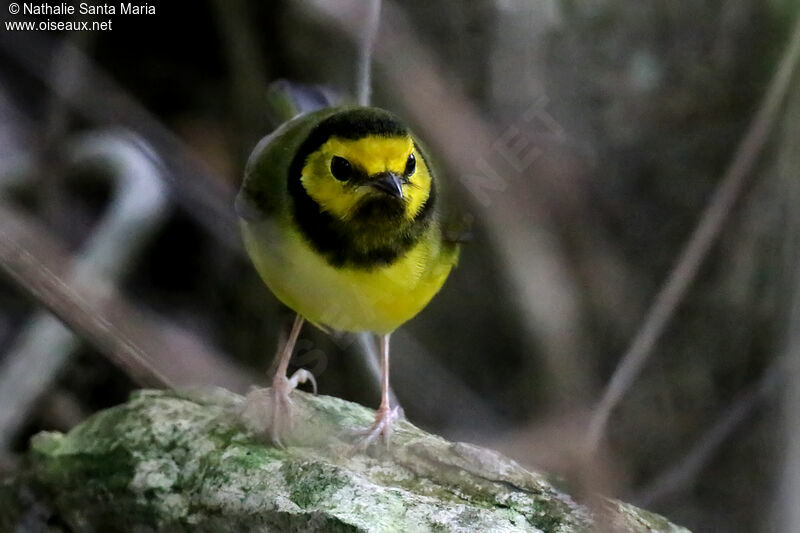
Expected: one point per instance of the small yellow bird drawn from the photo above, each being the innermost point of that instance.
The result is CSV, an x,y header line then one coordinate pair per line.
x,y
341,214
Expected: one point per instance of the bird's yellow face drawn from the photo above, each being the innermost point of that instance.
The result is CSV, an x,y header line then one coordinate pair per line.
x,y
343,175
360,191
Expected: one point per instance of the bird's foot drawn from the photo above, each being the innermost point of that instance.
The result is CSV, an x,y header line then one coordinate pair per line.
x,y
280,420
382,427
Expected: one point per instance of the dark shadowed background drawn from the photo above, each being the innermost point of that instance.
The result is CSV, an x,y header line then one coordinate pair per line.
x,y
583,138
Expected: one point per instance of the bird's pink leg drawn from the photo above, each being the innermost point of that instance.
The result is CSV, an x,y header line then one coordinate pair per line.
x,y
385,415
280,418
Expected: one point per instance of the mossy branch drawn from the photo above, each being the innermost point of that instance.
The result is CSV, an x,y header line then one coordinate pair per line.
x,y
172,461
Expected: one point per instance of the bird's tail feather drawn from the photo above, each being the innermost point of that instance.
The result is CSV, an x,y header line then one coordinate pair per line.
x,y
287,99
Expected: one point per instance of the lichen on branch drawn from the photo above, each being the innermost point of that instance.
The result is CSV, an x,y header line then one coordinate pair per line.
x,y
184,461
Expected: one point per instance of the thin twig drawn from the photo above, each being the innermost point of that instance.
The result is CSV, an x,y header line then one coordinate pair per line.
x,y
713,219
364,80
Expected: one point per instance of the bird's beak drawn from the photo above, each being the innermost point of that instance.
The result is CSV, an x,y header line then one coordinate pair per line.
x,y
389,183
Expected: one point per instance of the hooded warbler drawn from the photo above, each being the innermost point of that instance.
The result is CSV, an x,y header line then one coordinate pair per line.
x,y
341,214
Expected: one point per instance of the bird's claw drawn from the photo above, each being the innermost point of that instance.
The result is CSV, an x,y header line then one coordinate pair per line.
x,y
301,376
281,418
382,427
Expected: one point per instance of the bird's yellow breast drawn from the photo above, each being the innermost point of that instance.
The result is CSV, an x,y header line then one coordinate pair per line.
x,y
377,300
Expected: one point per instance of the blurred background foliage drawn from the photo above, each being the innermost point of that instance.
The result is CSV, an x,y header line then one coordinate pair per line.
x,y
620,118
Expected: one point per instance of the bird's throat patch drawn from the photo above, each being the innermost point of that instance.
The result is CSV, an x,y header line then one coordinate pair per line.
x,y
378,233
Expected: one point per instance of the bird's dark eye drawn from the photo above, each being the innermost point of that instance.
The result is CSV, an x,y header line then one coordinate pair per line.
x,y
341,168
411,165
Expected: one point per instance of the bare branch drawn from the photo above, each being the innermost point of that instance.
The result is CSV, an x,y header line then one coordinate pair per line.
x,y
33,262
136,211
151,353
